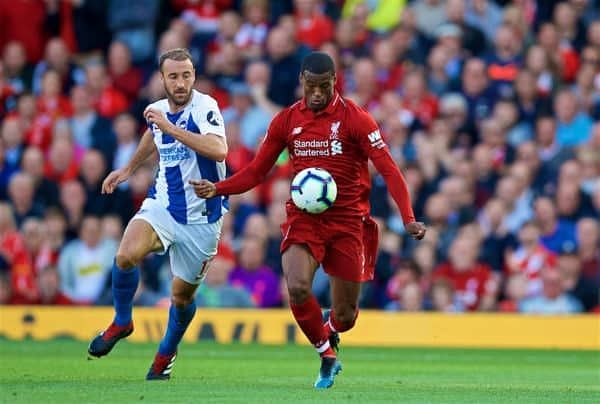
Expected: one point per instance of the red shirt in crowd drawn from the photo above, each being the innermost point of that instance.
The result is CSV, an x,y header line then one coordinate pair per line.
x,y
424,108
471,285
111,103
128,83
24,21
22,275
315,30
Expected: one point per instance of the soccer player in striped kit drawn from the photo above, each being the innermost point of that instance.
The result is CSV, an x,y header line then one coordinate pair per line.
x,y
187,132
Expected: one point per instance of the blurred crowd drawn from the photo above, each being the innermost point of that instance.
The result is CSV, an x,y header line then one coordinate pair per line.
x,y
490,108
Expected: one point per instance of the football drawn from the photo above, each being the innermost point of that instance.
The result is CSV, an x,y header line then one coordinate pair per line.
x,y
313,190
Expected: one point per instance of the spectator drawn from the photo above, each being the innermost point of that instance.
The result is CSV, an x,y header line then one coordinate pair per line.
x,y
38,248
475,89
85,263
13,142
17,73
484,15
568,24
553,299
112,227
89,129
251,274
92,173
473,39
253,120
252,35
515,292
563,57
507,114
55,225
404,279
362,86
133,23
437,214
46,191
107,100
443,298
449,37
557,235
215,291
505,62
21,286
438,79
49,283
530,258
285,66
496,238
588,241
33,34
574,127
21,192
126,128
584,289
417,100
72,200
90,25
313,27
527,100
473,282
460,199
429,15
61,165
411,299
125,77
538,62
57,58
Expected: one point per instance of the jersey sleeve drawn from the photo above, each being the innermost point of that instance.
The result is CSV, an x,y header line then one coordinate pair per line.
x,y
255,172
373,146
208,117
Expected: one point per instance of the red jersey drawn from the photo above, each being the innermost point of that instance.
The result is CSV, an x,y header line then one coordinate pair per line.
x,y
340,139
471,285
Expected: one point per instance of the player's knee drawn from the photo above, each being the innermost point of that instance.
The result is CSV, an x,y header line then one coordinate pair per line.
x,y
346,315
299,291
125,260
181,300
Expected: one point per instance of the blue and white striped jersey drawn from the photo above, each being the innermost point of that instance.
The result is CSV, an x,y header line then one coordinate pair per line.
x,y
179,164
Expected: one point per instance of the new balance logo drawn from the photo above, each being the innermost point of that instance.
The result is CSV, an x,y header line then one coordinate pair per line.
x,y
297,130
376,140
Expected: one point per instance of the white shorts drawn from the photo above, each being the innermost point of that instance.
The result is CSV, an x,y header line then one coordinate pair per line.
x,y
191,247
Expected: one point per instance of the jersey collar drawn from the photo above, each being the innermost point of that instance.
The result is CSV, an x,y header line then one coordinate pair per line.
x,y
328,110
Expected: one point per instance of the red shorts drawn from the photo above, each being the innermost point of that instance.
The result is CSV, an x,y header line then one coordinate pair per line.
x,y
346,247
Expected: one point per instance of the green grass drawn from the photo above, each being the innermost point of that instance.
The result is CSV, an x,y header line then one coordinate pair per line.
x,y
59,371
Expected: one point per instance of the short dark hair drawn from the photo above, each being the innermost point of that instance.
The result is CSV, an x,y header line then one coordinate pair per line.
x,y
178,54
318,63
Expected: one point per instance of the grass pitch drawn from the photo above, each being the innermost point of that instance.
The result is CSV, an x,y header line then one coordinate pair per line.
x,y
59,371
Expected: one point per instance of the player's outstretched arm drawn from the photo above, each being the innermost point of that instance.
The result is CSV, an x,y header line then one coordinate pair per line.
x,y
255,172
211,146
397,187
144,150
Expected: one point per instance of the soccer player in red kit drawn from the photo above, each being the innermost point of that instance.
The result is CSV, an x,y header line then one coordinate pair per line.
x,y
327,131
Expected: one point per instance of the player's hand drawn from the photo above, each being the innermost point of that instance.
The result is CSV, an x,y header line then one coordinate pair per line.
x,y
204,188
158,118
416,230
113,179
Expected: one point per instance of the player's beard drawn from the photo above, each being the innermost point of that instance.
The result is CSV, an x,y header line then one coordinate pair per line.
x,y
173,97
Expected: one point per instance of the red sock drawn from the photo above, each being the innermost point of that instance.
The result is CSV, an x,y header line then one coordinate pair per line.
x,y
309,318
